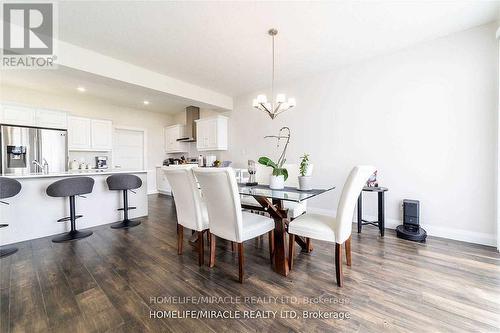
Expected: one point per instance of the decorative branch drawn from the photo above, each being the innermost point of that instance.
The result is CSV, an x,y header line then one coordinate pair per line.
x,y
279,137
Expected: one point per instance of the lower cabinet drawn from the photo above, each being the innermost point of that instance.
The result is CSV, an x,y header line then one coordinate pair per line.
x,y
162,184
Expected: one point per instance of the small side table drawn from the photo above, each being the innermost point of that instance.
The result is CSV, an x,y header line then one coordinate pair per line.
x,y
381,209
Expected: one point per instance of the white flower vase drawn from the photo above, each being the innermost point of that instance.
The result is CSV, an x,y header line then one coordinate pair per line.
x,y
277,182
305,183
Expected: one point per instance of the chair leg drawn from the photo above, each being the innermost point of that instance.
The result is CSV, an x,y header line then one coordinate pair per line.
x,y
338,264
308,245
200,248
291,250
240,261
180,237
212,250
271,245
348,251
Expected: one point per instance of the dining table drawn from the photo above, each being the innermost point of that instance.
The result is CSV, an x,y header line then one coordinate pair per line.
x,y
272,201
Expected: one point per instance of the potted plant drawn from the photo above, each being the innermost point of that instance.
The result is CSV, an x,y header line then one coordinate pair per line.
x,y
279,175
305,171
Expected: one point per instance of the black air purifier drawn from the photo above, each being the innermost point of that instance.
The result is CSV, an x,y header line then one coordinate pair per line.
x,y
410,229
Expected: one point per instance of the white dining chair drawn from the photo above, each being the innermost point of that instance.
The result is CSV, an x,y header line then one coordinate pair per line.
x,y
189,205
220,192
334,230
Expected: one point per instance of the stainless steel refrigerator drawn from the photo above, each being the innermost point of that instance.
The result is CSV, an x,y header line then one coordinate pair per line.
x,y
20,146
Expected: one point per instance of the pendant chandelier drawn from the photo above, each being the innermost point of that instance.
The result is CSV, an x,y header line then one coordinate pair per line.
x,y
278,105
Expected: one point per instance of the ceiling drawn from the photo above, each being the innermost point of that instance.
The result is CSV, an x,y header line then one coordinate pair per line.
x,y
65,81
224,45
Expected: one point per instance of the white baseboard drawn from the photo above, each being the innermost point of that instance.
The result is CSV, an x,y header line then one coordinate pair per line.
x,y
432,230
153,192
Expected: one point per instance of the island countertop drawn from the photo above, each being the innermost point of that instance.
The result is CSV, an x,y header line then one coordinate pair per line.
x,y
71,173
33,214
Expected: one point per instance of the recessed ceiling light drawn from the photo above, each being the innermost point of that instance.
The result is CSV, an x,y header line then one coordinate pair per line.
x,y
146,102
81,89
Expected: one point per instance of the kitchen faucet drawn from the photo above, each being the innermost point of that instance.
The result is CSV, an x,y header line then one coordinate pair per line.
x,y
44,167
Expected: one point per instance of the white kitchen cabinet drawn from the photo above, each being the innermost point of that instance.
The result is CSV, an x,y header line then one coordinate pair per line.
x,y
28,116
211,133
79,133
162,183
172,133
18,115
51,119
89,134
101,134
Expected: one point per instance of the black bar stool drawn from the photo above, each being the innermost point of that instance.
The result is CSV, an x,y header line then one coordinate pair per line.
x,y
8,188
125,183
71,187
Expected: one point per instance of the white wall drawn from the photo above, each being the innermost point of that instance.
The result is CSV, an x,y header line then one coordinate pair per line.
x,y
424,116
86,106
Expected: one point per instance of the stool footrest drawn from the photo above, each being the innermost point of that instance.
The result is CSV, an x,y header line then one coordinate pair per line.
x,y
3,225
130,208
66,219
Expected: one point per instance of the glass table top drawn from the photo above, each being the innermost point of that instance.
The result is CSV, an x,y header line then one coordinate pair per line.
x,y
288,193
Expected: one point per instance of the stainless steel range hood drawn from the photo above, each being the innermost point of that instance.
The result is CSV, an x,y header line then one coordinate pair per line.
x,y
192,114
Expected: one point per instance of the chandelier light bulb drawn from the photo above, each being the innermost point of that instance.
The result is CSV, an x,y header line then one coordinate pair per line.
x,y
261,99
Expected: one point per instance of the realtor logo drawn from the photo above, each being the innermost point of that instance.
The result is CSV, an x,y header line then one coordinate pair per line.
x,y
28,35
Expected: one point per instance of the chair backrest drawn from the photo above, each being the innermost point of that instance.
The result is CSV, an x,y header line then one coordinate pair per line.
x,y
262,173
220,192
70,186
123,181
9,187
188,202
350,193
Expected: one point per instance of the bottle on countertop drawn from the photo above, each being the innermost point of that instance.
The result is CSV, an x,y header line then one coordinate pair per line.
x,y
200,160
45,167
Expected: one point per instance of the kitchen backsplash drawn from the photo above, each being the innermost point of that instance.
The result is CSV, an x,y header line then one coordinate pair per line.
x,y
88,157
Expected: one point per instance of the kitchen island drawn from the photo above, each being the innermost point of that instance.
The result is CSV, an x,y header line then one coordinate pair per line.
x,y
33,214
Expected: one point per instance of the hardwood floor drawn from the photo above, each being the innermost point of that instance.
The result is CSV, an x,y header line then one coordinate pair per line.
x,y
105,283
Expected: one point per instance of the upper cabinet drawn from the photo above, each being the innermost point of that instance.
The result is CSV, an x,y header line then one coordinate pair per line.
x,y
51,119
102,134
172,133
18,115
211,133
26,116
89,134
79,133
